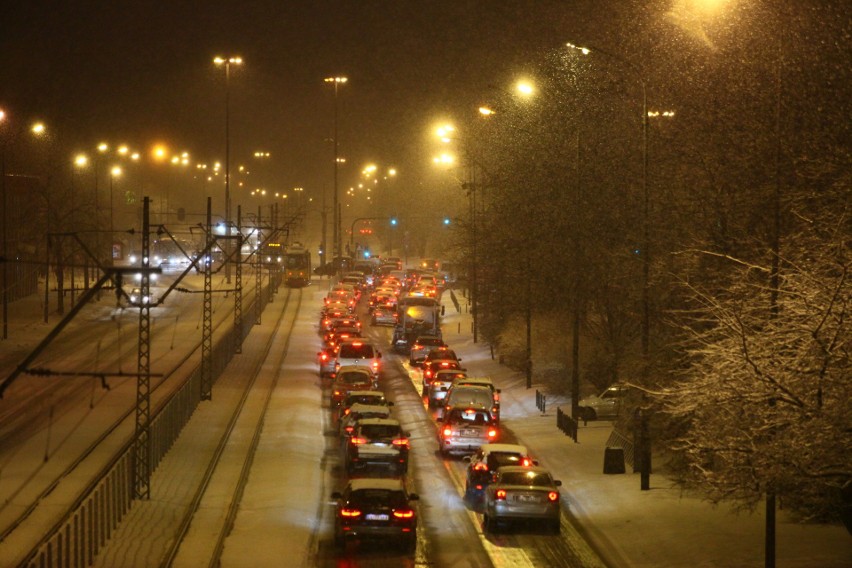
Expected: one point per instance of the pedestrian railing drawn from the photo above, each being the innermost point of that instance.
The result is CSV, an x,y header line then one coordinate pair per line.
x,y
455,301
566,423
540,401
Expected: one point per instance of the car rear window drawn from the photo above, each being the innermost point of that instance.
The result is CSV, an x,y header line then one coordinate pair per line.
x,y
524,478
373,431
356,351
354,378
430,341
392,499
467,416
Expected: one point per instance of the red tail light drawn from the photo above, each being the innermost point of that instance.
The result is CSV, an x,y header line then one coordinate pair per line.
x,y
479,466
417,348
526,462
404,514
348,410
500,494
324,356
496,397
553,496
448,431
355,441
375,365
350,513
492,433
400,442
349,429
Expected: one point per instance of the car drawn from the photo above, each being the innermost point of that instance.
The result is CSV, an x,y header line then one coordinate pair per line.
x,y
465,430
608,404
367,397
481,382
522,493
377,443
358,411
384,316
136,298
482,465
359,353
375,508
466,396
431,369
422,347
325,358
436,391
349,378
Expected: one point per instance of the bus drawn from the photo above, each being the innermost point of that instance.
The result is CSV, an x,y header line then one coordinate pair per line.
x,y
297,266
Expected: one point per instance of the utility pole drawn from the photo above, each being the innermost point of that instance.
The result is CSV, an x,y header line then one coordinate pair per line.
x,y
142,457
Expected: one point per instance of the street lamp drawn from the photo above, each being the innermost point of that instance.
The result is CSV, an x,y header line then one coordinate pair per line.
x,y
113,173
336,218
227,62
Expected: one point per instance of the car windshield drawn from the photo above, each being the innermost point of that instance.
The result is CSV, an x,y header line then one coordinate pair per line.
x,y
352,351
468,416
537,479
381,497
353,377
379,431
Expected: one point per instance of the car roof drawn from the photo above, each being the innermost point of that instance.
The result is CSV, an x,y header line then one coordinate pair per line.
x,y
504,448
364,369
376,394
379,422
522,469
361,408
386,483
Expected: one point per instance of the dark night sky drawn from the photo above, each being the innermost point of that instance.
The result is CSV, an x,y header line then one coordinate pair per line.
x,y
142,71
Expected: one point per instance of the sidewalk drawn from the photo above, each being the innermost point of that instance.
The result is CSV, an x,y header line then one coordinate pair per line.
x,y
629,527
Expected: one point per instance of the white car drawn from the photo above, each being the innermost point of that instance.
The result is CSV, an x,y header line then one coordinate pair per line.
x,y
608,404
360,353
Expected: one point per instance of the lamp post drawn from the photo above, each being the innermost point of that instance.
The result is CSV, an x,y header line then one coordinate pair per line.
x,y
337,233
227,62
114,172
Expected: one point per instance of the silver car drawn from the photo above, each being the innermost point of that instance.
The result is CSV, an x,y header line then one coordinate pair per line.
x,y
464,430
522,493
606,405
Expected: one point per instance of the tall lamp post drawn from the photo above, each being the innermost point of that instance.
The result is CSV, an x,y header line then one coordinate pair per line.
x,y
227,62
337,233
114,172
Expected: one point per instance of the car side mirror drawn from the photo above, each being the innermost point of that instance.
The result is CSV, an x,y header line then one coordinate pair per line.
x,y
459,359
466,459
407,434
379,356
390,403
498,391
443,309
413,497
557,483
336,495
535,462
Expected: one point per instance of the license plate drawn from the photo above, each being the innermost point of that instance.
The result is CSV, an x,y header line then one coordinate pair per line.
x,y
375,517
527,498
469,432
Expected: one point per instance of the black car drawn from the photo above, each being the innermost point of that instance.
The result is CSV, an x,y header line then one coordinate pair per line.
x,y
375,508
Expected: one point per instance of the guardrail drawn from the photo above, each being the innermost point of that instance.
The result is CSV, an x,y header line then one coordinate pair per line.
x,y
77,538
455,301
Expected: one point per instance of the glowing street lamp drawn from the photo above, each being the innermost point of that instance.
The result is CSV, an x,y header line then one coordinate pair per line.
x,y
114,172
338,243
227,62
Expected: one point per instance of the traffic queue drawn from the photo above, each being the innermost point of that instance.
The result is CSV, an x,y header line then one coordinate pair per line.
x,y
502,481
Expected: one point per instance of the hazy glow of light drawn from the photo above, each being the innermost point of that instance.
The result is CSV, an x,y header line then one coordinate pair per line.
x,y
221,60
39,128
392,172
583,50
485,111
2,115
115,171
159,152
134,156
444,131
336,79
444,159
525,88
81,160
103,147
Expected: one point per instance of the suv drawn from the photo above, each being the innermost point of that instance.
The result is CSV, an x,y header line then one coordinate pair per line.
x,y
422,347
377,509
466,429
368,397
360,411
377,442
466,396
358,353
481,382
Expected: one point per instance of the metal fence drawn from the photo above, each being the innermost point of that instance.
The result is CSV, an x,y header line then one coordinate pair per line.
x,y
619,440
76,539
540,401
566,423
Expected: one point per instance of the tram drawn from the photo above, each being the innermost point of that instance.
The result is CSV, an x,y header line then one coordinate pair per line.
x,y
297,266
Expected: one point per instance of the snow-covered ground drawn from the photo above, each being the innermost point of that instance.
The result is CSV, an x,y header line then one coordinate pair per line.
x,y
629,527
